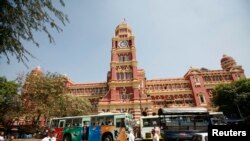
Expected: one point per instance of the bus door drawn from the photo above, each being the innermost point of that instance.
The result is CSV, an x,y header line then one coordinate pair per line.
x,y
120,129
59,131
94,133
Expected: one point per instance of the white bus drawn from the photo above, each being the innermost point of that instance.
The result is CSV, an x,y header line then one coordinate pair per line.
x,y
147,123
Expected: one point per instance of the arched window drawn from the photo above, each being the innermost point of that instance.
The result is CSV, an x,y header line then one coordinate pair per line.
x,y
122,76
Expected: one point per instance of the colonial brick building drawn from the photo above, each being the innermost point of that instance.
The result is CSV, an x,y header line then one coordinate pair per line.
x,y
127,90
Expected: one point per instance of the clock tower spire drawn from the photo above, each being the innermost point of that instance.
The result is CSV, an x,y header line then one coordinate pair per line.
x,y
125,81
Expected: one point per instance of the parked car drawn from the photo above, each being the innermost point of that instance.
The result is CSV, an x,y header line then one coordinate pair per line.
x,y
200,137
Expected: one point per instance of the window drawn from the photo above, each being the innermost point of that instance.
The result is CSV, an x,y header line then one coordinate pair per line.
x,y
122,76
68,123
127,96
197,138
128,76
61,123
202,100
77,122
196,80
150,122
54,123
118,76
120,122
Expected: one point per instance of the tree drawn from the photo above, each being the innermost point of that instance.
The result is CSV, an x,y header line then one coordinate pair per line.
x,y
233,99
18,21
10,103
46,95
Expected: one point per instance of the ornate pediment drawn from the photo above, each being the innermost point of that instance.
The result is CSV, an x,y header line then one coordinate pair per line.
x,y
192,71
237,68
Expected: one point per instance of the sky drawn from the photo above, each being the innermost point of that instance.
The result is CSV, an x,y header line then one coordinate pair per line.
x,y
170,37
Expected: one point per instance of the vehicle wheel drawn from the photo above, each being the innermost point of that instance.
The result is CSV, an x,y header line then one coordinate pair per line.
x,y
107,138
67,138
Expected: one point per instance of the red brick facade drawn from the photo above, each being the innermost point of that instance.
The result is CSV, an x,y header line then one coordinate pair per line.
x,y
127,90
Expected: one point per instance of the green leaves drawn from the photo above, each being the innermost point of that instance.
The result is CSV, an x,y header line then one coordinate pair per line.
x,y
47,95
42,95
20,19
229,96
9,99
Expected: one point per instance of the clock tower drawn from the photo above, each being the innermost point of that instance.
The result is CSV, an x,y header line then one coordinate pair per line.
x,y
126,83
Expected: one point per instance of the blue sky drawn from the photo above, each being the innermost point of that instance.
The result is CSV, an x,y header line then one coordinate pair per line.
x,y
170,36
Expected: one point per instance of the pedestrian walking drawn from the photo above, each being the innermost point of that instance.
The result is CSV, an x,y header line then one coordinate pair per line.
x,y
1,136
156,134
49,137
131,136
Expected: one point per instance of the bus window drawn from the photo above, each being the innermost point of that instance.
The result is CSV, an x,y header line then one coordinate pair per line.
x,y
54,123
61,123
68,123
77,122
145,124
217,118
120,122
86,123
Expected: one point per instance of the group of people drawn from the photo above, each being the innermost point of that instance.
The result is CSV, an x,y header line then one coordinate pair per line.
x,y
2,138
155,134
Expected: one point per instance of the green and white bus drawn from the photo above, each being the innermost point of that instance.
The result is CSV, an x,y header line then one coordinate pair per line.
x,y
101,127
69,128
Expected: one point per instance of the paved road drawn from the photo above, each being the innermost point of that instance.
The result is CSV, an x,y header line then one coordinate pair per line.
x,y
27,140
41,139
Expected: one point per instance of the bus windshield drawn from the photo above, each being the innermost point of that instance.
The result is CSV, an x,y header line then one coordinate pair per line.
x,y
149,121
217,118
147,124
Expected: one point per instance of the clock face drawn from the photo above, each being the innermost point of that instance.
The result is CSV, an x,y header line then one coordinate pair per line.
x,y
123,44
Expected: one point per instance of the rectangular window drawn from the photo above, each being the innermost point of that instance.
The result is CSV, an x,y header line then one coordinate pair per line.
x,y
120,122
197,80
202,99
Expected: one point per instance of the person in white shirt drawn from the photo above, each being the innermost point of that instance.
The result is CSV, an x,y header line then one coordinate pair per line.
x,y
131,136
156,134
1,136
49,137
